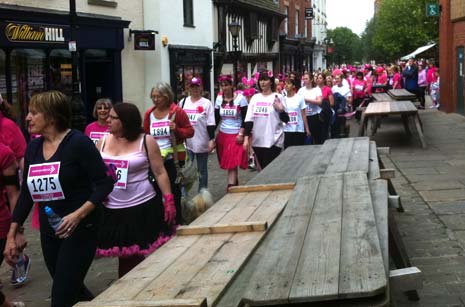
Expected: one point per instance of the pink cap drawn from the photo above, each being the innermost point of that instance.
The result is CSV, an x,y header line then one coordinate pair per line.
x,y
195,81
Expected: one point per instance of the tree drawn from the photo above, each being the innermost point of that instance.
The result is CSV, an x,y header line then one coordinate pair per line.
x,y
400,27
346,46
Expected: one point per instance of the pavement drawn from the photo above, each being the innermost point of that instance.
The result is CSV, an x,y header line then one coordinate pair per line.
x,y
430,182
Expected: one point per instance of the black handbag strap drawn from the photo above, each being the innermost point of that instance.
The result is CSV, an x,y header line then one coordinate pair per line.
x,y
146,150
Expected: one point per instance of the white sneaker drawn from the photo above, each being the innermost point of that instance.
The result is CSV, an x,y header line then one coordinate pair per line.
x,y
437,106
432,106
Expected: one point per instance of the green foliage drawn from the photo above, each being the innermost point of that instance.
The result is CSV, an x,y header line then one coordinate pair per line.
x,y
346,46
400,27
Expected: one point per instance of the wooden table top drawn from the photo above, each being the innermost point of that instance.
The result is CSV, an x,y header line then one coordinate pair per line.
x,y
401,94
390,107
381,97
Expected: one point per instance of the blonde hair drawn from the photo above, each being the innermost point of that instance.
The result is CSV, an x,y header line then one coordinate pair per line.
x,y
102,101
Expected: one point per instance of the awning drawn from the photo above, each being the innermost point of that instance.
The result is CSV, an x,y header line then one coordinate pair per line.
x,y
418,51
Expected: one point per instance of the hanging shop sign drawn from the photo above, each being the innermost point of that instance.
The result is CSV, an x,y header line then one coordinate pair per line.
x,y
20,32
144,41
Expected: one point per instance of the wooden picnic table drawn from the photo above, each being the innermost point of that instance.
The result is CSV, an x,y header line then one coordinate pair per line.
x,y
324,239
381,97
406,109
401,94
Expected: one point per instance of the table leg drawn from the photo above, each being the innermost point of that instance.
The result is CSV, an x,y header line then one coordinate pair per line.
x,y
420,130
363,124
405,122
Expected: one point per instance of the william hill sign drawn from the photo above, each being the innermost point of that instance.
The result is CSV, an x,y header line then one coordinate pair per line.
x,y
34,33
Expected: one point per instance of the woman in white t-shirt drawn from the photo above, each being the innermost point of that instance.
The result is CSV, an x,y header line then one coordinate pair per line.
x,y
297,127
313,98
230,111
202,117
264,120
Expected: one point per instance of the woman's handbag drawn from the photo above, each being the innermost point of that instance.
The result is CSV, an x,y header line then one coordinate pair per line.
x,y
151,176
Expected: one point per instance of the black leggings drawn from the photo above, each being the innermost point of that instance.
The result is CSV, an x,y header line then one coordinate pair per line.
x,y
68,261
315,126
294,139
266,155
421,95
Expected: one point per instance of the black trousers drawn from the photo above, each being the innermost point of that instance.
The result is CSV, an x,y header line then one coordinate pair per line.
x,y
421,95
294,139
68,261
266,155
316,129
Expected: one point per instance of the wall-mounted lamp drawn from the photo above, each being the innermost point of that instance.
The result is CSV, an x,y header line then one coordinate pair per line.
x,y
164,40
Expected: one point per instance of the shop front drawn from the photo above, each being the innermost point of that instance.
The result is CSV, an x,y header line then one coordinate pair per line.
x,y
35,56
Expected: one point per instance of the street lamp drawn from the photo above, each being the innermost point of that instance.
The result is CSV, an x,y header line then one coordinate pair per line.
x,y
235,28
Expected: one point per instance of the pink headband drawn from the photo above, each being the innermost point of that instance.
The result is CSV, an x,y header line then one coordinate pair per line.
x,y
222,78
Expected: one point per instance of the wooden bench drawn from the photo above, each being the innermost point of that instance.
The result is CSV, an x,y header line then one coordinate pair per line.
x,y
376,110
402,94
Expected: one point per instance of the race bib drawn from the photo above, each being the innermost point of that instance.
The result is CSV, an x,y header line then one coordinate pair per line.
x,y
359,87
121,172
43,182
160,130
193,116
261,109
96,136
228,112
292,118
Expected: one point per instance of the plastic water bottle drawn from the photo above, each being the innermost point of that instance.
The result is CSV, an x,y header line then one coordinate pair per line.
x,y
20,270
53,219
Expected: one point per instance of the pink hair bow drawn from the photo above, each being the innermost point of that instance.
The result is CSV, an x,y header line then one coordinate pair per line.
x,y
270,74
222,78
249,82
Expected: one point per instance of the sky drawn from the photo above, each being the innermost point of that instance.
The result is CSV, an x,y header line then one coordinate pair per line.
x,y
351,14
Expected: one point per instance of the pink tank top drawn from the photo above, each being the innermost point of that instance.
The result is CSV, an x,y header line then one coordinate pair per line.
x,y
133,187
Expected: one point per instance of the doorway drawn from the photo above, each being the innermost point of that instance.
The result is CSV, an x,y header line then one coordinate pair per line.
x,y
460,80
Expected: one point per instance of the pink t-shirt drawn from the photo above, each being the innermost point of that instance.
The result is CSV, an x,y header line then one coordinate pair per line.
x,y
326,91
133,187
358,88
11,136
396,81
95,131
7,157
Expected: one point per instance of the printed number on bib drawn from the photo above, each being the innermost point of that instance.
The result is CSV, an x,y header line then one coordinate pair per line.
x,y
160,129
228,112
193,116
121,172
43,182
261,109
292,118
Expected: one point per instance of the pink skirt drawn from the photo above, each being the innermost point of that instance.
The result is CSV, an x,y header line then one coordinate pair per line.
x,y
230,154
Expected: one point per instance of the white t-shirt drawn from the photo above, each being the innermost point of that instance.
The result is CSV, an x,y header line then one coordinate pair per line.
x,y
343,90
231,119
294,106
312,93
267,127
201,114
160,130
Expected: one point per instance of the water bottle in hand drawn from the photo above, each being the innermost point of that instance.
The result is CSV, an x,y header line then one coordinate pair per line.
x,y
53,219
20,270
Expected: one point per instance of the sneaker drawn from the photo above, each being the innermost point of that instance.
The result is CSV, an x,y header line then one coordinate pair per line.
x,y
432,106
20,271
437,106
18,304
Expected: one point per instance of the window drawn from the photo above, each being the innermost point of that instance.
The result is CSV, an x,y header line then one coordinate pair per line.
x,y
297,13
188,13
286,20
61,70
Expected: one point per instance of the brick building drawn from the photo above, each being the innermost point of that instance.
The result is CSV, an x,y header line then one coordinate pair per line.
x,y
296,41
452,54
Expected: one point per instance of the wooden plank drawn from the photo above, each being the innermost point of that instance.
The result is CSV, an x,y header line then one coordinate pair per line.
x,y
262,187
317,272
292,160
406,279
340,157
419,130
279,253
141,276
318,163
381,97
359,156
387,173
362,270
383,150
379,197
373,165
221,228
165,303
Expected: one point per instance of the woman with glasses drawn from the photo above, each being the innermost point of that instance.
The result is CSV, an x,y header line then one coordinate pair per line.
x,y
99,128
230,111
161,121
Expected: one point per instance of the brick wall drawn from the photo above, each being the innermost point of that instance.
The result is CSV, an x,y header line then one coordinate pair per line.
x,y
294,5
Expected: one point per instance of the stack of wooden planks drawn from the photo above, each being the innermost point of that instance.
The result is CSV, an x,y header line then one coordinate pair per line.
x,y
401,94
310,228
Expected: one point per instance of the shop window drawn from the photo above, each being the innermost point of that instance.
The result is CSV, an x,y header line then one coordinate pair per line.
x,y
183,75
61,71
27,77
188,10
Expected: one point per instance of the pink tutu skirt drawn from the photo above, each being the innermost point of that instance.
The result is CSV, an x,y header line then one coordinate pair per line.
x,y
230,154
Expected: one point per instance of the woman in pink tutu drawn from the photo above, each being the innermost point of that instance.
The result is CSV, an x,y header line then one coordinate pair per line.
x,y
230,111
